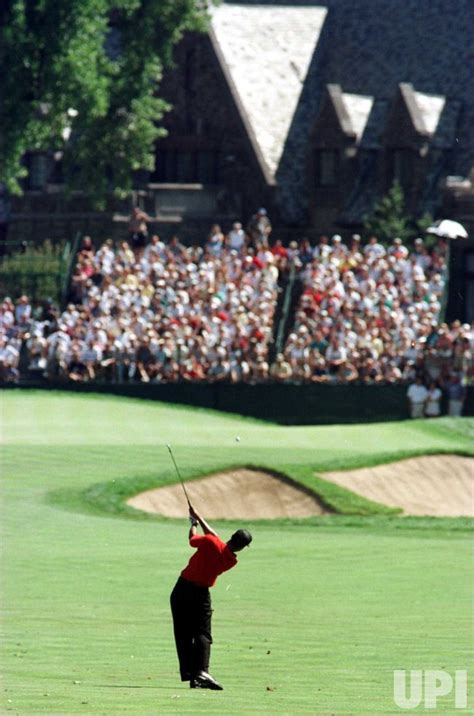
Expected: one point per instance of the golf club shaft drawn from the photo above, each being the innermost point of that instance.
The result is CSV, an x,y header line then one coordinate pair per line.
x,y
179,474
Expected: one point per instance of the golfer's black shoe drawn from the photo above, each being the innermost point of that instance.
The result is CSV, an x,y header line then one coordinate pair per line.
x,y
203,680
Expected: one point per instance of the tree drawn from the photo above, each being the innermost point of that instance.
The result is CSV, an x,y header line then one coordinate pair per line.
x,y
388,219
80,79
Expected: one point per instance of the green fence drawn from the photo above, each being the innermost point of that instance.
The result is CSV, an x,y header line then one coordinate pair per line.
x,y
286,403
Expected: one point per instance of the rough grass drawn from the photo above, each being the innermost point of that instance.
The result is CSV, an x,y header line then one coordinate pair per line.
x,y
313,620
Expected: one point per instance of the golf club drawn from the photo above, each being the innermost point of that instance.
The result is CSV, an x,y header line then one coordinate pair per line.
x,y
179,474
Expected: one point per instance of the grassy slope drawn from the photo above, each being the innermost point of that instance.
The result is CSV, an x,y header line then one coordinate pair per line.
x,y
86,598
204,441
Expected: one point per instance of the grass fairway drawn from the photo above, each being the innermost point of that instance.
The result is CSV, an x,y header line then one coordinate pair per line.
x,y
314,619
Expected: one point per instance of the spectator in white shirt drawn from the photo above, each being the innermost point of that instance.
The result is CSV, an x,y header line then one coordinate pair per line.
x,y
433,401
236,237
374,250
417,395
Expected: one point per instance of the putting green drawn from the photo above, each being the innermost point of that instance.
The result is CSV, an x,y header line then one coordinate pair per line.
x,y
313,620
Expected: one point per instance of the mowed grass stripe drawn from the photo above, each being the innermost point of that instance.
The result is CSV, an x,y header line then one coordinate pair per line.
x,y
49,418
327,609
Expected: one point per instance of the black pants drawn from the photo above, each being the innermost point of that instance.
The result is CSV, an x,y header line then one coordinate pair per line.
x,y
191,610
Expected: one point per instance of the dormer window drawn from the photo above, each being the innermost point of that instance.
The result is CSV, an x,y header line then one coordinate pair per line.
x,y
401,167
326,163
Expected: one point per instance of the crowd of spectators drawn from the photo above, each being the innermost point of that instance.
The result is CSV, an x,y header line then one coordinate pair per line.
x,y
370,313
159,312
146,310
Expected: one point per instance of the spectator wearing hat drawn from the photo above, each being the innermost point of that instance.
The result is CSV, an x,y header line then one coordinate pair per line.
x,y
293,253
235,240
259,228
280,370
374,249
338,248
397,249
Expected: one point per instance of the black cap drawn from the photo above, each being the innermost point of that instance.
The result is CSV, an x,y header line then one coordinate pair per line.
x,y
242,538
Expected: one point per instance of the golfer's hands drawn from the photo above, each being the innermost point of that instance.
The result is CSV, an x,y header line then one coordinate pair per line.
x,y
193,517
193,514
201,521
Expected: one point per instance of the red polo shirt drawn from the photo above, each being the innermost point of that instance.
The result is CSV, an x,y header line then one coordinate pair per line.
x,y
212,558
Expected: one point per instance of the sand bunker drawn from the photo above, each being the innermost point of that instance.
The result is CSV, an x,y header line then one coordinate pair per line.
x,y
239,494
440,485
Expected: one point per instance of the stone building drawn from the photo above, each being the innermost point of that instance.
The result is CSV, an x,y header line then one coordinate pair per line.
x,y
328,104
312,110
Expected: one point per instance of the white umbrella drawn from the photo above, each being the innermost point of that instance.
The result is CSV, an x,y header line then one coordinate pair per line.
x,y
448,229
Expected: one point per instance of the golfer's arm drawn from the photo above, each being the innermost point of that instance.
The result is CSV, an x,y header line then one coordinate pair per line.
x,y
207,529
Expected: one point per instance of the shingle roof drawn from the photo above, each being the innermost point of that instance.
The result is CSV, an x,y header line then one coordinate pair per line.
x,y
430,107
368,48
375,125
267,51
446,129
358,108
424,109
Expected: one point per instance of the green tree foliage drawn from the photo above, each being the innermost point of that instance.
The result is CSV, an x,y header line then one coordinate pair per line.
x,y
421,224
388,218
80,77
37,269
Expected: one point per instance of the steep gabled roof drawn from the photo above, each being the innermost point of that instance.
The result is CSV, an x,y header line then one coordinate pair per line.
x,y
424,109
265,53
352,111
358,108
430,107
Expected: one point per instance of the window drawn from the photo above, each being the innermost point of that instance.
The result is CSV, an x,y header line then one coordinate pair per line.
x,y
326,167
186,167
39,169
401,167
165,166
207,167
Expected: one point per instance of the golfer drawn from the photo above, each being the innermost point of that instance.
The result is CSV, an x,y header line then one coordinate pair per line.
x,y
191,601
